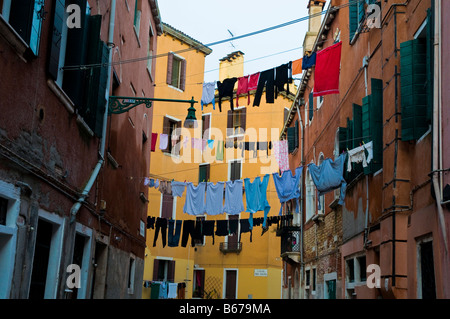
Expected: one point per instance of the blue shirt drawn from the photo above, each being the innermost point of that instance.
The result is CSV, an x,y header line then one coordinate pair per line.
x,y
178,188
234,204
287,186
256,197
329,176
214,198
195,199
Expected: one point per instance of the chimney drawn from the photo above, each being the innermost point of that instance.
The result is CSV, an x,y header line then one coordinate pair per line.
x,y
315,7
231,66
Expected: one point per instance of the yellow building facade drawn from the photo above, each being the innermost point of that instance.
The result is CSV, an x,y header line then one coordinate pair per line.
x,y
229,268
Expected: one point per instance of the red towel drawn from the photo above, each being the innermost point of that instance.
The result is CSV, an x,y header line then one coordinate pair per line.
x,y
242,88
326,76
154,138
253,81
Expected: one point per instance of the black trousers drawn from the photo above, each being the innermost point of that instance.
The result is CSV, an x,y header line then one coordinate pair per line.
x,y
283,76
161,224
267,79
188,229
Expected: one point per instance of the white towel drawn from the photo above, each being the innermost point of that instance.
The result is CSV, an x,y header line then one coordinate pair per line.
x,y
358,155
172,291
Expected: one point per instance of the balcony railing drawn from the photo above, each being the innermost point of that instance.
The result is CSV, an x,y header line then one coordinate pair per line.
x,y
290,236
230,247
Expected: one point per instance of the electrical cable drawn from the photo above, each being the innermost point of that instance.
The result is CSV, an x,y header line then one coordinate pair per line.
x,y
94,65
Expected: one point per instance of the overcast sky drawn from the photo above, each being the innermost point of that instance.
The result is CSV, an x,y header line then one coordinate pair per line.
x,y
208,21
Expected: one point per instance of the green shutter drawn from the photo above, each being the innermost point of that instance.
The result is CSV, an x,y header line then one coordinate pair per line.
x,y
357,126
311,105
96,84
55,48
342,139
361,11
430,63
353,18
202,173
291,139
372,125
413,89
297,135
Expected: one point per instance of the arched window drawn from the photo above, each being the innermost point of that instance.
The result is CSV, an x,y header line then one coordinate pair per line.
x,y
310,197
320,199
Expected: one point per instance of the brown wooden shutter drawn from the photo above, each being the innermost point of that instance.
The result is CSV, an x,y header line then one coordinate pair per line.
x,y
171,271
155,269
183,75
169,68
243,118
166,130
205,122
230,121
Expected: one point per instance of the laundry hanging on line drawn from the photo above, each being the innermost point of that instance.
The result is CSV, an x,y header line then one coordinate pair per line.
x,y
358,155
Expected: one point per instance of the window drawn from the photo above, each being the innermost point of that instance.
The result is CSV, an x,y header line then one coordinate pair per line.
x,y
203,173
86,88
357,16
3,210
164,270
320,199
236,122
426,283
310,197
25,17
311,106
172,127
314,279
198,284
150,51
131,273
355,274
308,278
206,125
416,67
234,170
176,71
137,17
293,137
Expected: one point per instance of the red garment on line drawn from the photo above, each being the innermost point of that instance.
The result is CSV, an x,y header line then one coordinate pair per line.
x,y
242,88
154,138
328,64
297,66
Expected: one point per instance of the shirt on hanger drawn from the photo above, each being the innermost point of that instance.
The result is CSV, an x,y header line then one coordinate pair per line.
x,y
288,186
281,154
163,141
178,188
256,197
208,94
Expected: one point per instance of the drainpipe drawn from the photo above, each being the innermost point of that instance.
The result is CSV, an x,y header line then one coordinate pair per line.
x,y
76,207
366,222
301,203
437,120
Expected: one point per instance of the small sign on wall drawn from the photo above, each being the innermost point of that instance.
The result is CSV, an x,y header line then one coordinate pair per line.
x,y
142,229
260,273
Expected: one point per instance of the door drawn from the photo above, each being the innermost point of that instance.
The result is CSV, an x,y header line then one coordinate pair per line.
x,y
427,270
230,284
331,288
41,258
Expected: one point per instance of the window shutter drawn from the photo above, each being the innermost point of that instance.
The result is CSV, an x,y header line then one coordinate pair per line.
x,y
166,130
291,139
430,63
171,271
97,52
243,118
311,106
297,134
183,75
78,41
202,173
230,122
177,146
206,122
353,18
342,139
55,48
372,125
169,68
286,113
413,89
361,11
156,270
357,126
167,206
